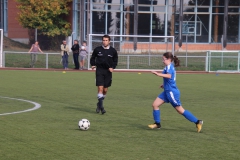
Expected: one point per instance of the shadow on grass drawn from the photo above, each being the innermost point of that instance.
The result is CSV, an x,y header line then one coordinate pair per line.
x,y
91,129
178,129
83,109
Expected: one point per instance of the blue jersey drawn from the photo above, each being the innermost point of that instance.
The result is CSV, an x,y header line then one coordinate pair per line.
x,y
169,83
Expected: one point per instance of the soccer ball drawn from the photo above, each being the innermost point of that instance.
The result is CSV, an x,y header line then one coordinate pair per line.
x,y
84,124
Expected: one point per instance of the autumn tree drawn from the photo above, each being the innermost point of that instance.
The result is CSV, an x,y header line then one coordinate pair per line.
x,y
48,17
45,15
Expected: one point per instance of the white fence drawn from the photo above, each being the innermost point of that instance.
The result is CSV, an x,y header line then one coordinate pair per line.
x,y
26,53
212,61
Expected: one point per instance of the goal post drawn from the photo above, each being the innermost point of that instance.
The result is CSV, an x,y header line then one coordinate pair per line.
x,y
1,48
135,52
223,61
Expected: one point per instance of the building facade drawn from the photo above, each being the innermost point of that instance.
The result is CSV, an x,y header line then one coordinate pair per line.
x,y
3,14
9,23
203,20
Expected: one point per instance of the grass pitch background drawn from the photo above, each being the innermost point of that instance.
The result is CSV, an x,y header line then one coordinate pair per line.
x,y
51,132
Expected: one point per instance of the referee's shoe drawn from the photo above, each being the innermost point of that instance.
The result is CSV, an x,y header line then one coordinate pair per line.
x,y
99,108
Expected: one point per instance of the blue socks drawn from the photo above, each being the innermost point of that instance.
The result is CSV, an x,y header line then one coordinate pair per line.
x,y
189,116
156,116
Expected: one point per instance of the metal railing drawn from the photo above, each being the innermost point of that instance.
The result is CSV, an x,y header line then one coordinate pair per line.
x,y
38,53
225,61
203,62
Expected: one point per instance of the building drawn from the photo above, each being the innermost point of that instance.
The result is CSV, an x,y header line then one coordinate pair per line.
x,y
202,26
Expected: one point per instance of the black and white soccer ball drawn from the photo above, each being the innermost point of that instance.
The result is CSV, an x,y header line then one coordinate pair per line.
x,y
84,124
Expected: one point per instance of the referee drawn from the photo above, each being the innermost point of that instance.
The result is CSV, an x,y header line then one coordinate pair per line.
x,y
104,59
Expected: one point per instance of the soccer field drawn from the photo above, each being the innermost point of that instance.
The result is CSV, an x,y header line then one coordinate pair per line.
x,y
51,132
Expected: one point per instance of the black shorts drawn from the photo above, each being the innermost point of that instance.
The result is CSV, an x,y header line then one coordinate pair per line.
x,y
103,77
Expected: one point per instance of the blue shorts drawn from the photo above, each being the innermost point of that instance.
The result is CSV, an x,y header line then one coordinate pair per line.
x,y
172,97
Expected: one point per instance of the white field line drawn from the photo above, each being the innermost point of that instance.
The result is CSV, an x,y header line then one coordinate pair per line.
x,y
36,106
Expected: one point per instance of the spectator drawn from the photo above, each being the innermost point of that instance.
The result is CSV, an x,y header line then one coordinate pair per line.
x,y
34,50
75,50
83,54
65,54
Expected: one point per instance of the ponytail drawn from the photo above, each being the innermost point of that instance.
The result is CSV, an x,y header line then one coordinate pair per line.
x,y
176,61
173,58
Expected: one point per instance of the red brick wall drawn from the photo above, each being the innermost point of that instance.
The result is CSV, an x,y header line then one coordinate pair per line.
x,y
70,15
192,47
205,47
15,30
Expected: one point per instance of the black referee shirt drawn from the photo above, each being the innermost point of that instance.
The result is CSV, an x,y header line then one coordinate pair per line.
x,y
104,58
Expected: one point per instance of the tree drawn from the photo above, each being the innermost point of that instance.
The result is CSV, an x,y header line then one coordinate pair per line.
x,y
48,16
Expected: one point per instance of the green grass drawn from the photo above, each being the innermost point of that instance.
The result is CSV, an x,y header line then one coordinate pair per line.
x,y
51,132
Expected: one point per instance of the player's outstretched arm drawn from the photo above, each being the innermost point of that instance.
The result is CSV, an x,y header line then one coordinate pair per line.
x,y
161,75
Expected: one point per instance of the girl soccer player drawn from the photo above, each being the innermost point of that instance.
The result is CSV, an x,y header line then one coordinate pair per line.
x,y
171,93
